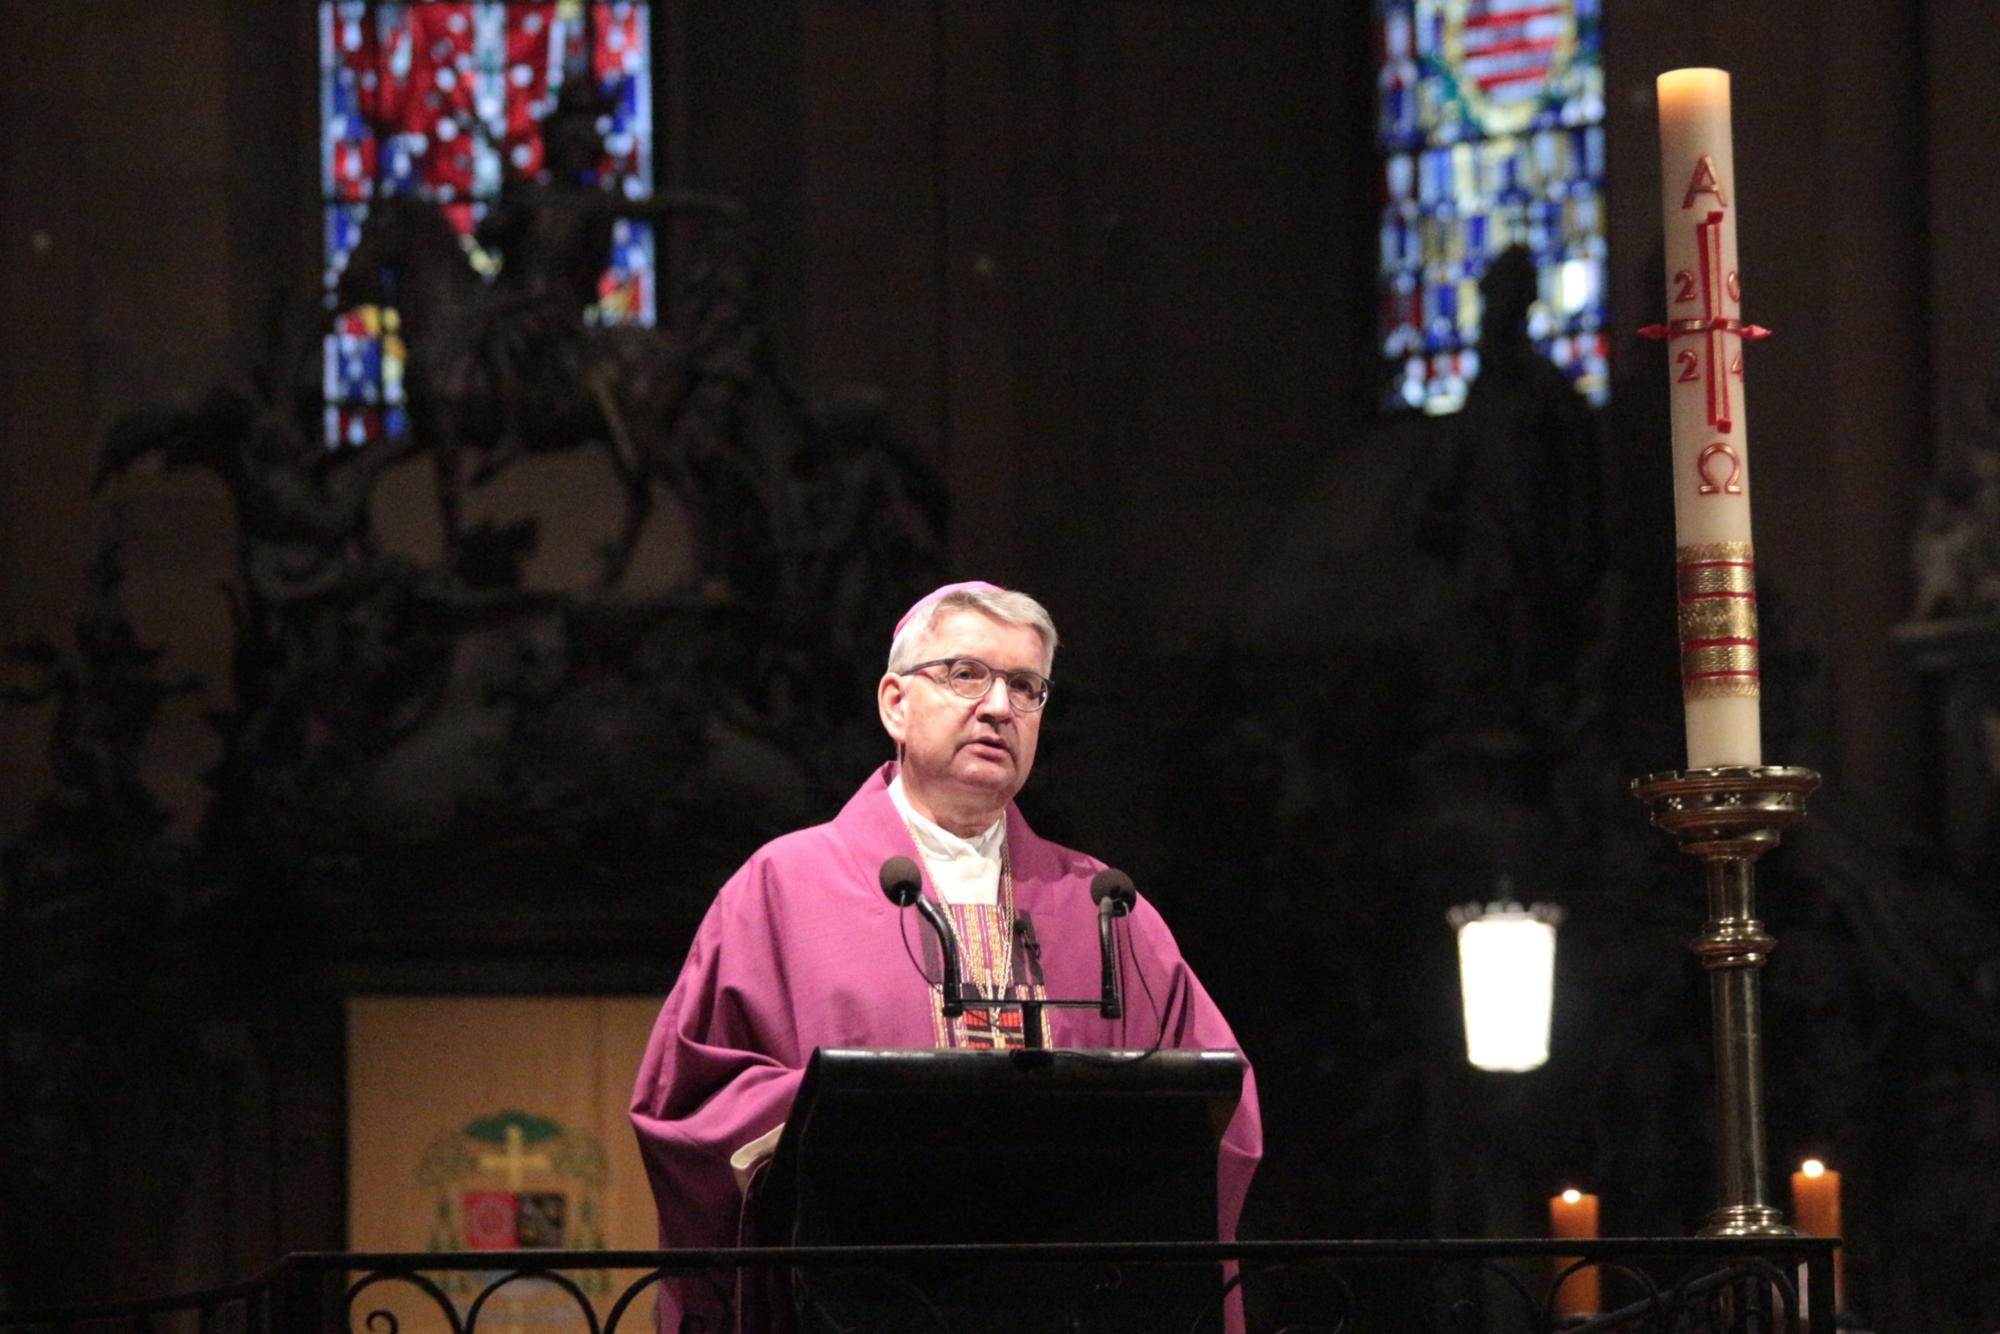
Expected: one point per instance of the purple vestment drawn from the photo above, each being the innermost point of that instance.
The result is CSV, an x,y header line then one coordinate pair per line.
x,y
801,950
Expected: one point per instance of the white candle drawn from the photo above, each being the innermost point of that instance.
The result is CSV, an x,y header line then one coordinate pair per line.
x,y
1714,560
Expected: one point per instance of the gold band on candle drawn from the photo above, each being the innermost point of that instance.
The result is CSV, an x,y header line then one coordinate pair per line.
x,y
1722,687
1735,659
1715,551
1709,552
1736,579
1713,618
1717,583
1719,567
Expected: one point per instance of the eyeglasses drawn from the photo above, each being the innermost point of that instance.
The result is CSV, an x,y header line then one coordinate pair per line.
x,y
969,678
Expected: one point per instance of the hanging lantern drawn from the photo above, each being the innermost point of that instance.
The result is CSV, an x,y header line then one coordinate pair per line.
x,y
1506,973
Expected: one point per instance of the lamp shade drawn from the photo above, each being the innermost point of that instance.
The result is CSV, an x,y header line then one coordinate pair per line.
x,y
1506,975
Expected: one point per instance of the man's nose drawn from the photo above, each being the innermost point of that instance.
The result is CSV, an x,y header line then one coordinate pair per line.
x,y
996,702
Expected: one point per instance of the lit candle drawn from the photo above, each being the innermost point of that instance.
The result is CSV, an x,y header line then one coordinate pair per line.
x,y
1715,564
1573,1217
1816,1213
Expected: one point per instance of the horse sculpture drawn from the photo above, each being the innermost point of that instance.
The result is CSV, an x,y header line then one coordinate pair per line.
x,y
503,368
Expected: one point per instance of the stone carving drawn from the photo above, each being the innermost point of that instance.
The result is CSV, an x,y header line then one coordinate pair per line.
x,y
381,702
409,727
1514,522
107,688
1957,546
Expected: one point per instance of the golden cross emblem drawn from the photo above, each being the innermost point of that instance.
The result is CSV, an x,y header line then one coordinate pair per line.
x,y
514,1162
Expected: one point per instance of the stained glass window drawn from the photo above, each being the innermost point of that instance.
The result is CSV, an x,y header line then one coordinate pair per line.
x,y
445,100
1492,135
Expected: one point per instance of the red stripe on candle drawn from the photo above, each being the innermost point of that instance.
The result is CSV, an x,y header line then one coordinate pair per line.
x,y
1713,676
1712,293
1694,324
1717,643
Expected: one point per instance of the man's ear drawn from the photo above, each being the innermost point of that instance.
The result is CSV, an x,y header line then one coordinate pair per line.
x,y
892,701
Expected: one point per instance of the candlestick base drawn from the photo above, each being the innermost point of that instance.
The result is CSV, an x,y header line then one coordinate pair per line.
x,y
1747,1220
1736,810
1729,817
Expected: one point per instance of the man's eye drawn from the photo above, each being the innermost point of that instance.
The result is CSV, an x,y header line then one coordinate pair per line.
x,y
967,673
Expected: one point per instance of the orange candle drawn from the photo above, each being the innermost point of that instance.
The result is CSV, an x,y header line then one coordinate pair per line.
x,y
1816,1213
1573,1216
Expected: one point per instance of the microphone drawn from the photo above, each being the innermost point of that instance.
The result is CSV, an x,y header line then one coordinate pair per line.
x,y
1113,886
904,884
1114,895
901,881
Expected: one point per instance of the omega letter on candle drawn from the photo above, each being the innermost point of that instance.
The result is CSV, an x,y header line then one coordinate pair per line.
x,y
1704,334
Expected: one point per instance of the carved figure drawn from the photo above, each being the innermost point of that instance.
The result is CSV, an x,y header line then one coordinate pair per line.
x,y
493,371
108,690
1956,550
1516,517
301,511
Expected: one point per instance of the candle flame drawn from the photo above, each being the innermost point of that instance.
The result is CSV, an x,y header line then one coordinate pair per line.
x,y
1572,1195
1813,1167
1684,85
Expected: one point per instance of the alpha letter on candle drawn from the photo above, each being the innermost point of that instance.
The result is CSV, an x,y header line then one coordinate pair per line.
x,y
1705,332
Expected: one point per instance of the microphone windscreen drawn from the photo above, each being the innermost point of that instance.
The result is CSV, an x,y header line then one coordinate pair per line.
x,y
1115,885
902,881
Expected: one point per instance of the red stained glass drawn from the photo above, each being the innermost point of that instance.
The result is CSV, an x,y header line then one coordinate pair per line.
x,y
445,99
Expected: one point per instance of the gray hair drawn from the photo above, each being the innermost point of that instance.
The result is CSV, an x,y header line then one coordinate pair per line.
x,y
1002,604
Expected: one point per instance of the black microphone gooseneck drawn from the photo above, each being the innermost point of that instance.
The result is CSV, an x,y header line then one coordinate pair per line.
x,y
904,884
1114,895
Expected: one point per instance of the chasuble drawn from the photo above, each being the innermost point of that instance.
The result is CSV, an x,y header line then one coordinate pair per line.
x,y
801,949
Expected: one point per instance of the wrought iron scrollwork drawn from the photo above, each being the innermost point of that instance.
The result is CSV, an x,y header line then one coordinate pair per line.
x,y
632,1292
382,1320
551,1276
1666,1286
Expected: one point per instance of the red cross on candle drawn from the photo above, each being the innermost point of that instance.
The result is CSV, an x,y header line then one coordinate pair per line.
x,y
1714,324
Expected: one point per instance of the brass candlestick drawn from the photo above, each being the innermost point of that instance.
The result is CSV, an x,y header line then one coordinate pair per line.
x,y
1729,818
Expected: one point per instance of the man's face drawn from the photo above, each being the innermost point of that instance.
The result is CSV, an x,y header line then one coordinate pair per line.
x,y
965,753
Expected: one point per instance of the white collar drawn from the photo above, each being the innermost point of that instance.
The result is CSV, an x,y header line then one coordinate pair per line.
x,y
964,870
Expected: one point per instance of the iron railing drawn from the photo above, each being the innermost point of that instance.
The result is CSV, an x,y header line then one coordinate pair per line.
x,y
1736,1285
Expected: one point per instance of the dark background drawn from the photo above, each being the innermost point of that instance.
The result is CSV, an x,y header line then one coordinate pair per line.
x,y
1111,265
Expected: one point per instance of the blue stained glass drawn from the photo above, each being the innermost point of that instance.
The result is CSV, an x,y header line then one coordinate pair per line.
x,y
1444,315
1491,114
